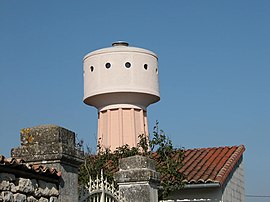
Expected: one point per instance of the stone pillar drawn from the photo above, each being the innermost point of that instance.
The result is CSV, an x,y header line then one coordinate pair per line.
x,y
137,179
53,146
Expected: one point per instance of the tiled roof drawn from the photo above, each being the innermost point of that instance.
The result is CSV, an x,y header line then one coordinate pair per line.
x,y
210,165
203,165
13,165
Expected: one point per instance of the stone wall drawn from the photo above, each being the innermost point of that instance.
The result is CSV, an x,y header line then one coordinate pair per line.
x,y
53,146
16,188
137,179
49,169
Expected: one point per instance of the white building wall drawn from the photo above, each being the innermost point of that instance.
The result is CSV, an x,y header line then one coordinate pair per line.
x,y
212,194
234,190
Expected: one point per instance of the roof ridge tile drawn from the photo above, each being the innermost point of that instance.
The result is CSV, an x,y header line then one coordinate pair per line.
x,y
227,168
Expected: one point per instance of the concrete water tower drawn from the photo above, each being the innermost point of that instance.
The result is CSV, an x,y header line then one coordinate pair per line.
x,y
121,82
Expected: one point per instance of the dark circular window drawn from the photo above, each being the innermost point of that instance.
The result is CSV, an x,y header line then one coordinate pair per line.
x,y
91,68
108,65
145,66
127,64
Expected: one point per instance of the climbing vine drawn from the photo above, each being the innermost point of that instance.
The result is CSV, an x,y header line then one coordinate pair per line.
x,y
168,161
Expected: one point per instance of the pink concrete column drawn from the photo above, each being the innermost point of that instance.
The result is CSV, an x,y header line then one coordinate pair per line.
x,y
119,126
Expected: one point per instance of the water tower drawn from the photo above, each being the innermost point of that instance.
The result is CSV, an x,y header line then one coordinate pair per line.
x,y
121,82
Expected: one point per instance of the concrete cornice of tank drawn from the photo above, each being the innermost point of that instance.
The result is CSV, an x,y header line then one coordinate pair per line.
x,y
132,91
108,98
120,49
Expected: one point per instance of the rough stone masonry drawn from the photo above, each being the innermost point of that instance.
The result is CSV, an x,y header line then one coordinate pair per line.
x,y
53,146
14,188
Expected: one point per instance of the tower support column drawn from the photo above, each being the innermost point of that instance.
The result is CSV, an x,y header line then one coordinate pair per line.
x,y
121,126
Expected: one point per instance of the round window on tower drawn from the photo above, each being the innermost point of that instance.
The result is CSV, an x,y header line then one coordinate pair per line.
x,y
127,65
145,66
108,65
91,68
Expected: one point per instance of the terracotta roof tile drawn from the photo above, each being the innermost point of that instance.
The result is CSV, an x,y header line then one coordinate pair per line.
x,y
208,165
23,166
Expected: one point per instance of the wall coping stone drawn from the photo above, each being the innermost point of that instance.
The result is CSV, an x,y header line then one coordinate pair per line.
x,y
34,146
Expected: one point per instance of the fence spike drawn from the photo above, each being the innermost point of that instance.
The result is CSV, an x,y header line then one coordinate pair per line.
x,y
98,189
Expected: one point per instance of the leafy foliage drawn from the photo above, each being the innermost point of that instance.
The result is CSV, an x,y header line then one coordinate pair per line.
x,y
168,161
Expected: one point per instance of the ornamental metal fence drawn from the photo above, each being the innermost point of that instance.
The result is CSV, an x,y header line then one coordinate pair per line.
x,y
100,190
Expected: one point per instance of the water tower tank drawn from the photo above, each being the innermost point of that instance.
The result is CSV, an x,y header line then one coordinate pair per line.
x,y
121,82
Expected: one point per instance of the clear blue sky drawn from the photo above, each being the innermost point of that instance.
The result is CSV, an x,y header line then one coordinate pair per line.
x,y
214,67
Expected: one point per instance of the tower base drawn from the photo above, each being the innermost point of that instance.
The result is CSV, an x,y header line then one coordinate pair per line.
x,y
120,126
